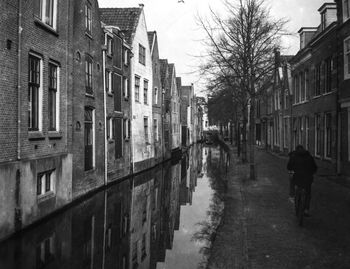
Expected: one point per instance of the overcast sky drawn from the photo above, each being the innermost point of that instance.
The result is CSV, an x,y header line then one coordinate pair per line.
x,y
179,35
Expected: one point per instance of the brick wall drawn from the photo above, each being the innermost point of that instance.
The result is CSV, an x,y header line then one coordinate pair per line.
x,y
83,45
8,80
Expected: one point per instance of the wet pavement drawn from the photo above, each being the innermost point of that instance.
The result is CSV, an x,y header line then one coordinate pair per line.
x,y
259,228
164,218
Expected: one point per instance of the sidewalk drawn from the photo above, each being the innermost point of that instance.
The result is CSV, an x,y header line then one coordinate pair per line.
x,y
259,228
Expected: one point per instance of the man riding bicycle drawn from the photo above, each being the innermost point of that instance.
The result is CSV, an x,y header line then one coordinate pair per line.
x,y
303,165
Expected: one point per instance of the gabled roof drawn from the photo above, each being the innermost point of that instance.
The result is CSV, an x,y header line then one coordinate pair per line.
x,y
151,36
163,72
178,82
126,19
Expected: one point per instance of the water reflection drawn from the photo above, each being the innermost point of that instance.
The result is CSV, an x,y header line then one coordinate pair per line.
x,y
148,221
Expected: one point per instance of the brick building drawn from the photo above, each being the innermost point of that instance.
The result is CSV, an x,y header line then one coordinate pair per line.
x,y
343,15
157,124
36,63
87,99
131,22
175,110
314,73
164,74
117,103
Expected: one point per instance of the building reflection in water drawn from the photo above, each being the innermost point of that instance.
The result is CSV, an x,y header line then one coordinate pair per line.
x,y
129,225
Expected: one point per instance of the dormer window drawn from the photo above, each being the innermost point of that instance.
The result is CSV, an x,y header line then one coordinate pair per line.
x,y
323,21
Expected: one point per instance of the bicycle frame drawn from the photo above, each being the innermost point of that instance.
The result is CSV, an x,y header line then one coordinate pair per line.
x,y
300,204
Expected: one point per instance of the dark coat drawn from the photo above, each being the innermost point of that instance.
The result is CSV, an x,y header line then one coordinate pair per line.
x,y
303,165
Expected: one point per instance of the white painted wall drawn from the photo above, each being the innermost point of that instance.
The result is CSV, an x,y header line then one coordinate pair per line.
x,y
141,150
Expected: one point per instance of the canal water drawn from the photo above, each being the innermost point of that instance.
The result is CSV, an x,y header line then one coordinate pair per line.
x,y
163,218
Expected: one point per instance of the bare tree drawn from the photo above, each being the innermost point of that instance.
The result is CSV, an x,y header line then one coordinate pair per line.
x,y
241,56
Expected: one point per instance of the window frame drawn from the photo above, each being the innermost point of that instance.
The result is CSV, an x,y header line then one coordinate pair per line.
x,y
346,10
54,126
41,12
88,75
145,91
346,45
88,18
36,114
142,55
137,88
44,179
146,129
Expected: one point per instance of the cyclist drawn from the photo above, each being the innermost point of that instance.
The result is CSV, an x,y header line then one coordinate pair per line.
x,y
303,165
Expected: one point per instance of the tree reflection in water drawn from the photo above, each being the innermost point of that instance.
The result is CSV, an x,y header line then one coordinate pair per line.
x,y
217,161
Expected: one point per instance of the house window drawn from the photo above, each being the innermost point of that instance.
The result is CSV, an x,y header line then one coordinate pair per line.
x,y
306,84
302,86
318,80
126,58
129,128
108,81
155,129
109,128
53,97
346,9
318,134
328,134
88,74
88,18
46,11
323,21
34,93
45,252
155,96
118,136
89,138
45,182
145,127
109,45
296,84
126,88
328,75
145,92
347,58
142,55
137,89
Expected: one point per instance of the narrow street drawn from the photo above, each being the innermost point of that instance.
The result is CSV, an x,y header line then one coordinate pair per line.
x,y
259,227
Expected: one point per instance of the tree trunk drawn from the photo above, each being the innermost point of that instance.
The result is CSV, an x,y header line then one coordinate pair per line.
x,y
244,137
252,140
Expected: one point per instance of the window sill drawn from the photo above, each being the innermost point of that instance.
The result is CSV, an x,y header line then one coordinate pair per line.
x,y
55,135
110,141
126,139
147,143
46,27
126,98
46,196
109,55
88,35
110,94
36,135
89,95
90,171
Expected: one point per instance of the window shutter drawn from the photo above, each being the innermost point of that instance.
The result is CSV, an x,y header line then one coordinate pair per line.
x,y
117,89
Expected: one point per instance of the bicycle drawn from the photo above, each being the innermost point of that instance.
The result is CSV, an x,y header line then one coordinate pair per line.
x,y
300,204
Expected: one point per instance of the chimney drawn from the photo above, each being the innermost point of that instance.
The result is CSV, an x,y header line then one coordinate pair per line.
x,y
141,5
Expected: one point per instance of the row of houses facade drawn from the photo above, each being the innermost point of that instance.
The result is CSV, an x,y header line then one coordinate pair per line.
x,y
84,101
307,96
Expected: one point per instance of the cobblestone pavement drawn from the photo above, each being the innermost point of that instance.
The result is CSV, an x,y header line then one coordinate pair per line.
x,y
259,228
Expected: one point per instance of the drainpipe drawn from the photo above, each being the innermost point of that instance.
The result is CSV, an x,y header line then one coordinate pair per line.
x,y
19,70
104,48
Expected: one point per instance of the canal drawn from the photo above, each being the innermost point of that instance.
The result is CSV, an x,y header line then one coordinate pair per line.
x,y
163,218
